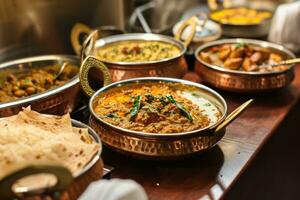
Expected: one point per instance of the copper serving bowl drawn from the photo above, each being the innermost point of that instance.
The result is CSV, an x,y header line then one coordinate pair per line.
x,y
58,100
170,67
152,145
65,180
242,81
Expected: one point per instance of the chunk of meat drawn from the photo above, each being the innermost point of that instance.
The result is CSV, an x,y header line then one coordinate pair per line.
x,y
257,58
247,64
275,57
237,53
224,54
205,57
233,63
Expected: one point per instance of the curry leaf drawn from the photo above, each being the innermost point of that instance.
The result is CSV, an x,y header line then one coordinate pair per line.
x,y
180,107
136,106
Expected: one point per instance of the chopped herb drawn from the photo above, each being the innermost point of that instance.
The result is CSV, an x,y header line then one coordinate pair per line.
x,y
239,45
149,98
163,101
26,81
111,115
183,111
195,94
207,104
150,108
136,106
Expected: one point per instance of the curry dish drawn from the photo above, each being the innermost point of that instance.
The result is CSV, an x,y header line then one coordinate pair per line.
x,y
243,57
156,108
137,51
240,16
18,85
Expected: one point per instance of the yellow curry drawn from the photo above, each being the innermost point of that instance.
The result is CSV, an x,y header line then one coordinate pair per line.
x,y
137,51
240,16
156,108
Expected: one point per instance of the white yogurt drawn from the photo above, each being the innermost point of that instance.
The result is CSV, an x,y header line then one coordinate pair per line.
x,y
204,104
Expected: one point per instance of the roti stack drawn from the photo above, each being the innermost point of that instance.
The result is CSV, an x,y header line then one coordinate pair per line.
x,y
32,138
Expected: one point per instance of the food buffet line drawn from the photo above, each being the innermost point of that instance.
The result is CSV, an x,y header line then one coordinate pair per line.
x,y
150,111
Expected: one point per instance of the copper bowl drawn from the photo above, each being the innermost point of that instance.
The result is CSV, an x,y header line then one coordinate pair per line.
x,y
241,81
58,100
175,67
66,182
149,145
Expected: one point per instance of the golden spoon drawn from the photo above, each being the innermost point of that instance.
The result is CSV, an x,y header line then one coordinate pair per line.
x,y
233,115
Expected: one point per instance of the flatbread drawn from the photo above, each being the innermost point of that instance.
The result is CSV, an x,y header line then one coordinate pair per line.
x,y
33,138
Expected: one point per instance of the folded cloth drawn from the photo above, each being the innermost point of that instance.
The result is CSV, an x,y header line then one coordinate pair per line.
x,y
114,189
285,27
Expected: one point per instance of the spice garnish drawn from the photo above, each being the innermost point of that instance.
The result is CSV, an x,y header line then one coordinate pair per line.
x,y
183,111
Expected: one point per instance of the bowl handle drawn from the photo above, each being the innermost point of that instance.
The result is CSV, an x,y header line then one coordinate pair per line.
x,y
89,44
192,22
63,175
233,115
89,63
77,30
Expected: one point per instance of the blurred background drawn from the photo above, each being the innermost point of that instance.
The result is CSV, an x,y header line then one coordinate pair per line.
x,y
33,27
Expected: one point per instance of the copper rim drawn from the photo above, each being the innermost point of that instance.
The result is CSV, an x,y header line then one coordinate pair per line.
x,y
240,81
221,105
140,36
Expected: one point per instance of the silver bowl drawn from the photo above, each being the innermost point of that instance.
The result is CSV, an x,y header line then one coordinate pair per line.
x,y
58,100
246,31
65,180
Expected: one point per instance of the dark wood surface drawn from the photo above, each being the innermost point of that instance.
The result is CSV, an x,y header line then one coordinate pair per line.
x,y
210,175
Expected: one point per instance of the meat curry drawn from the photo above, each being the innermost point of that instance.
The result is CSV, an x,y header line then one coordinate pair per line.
x,y
243,57
156,108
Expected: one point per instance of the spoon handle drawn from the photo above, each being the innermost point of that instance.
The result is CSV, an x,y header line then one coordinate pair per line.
x,y
287,62
234,115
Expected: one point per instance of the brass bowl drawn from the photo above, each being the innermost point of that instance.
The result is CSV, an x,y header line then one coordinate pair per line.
x,y
241,81
175,67
58,100
65,179
149,145
80,31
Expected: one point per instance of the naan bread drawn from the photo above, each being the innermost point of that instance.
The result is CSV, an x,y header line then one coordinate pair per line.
x,y
33,138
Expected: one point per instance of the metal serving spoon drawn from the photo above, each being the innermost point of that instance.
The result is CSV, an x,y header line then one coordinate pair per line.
x,y
62,68
285,62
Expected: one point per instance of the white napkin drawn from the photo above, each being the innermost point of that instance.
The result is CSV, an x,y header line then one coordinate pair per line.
x,y
285,27
114,189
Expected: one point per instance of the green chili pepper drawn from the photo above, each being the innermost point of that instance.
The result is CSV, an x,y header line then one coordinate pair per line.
x,y
183,111
136,106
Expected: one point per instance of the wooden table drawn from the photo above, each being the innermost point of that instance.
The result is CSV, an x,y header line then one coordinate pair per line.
x,y
211,175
